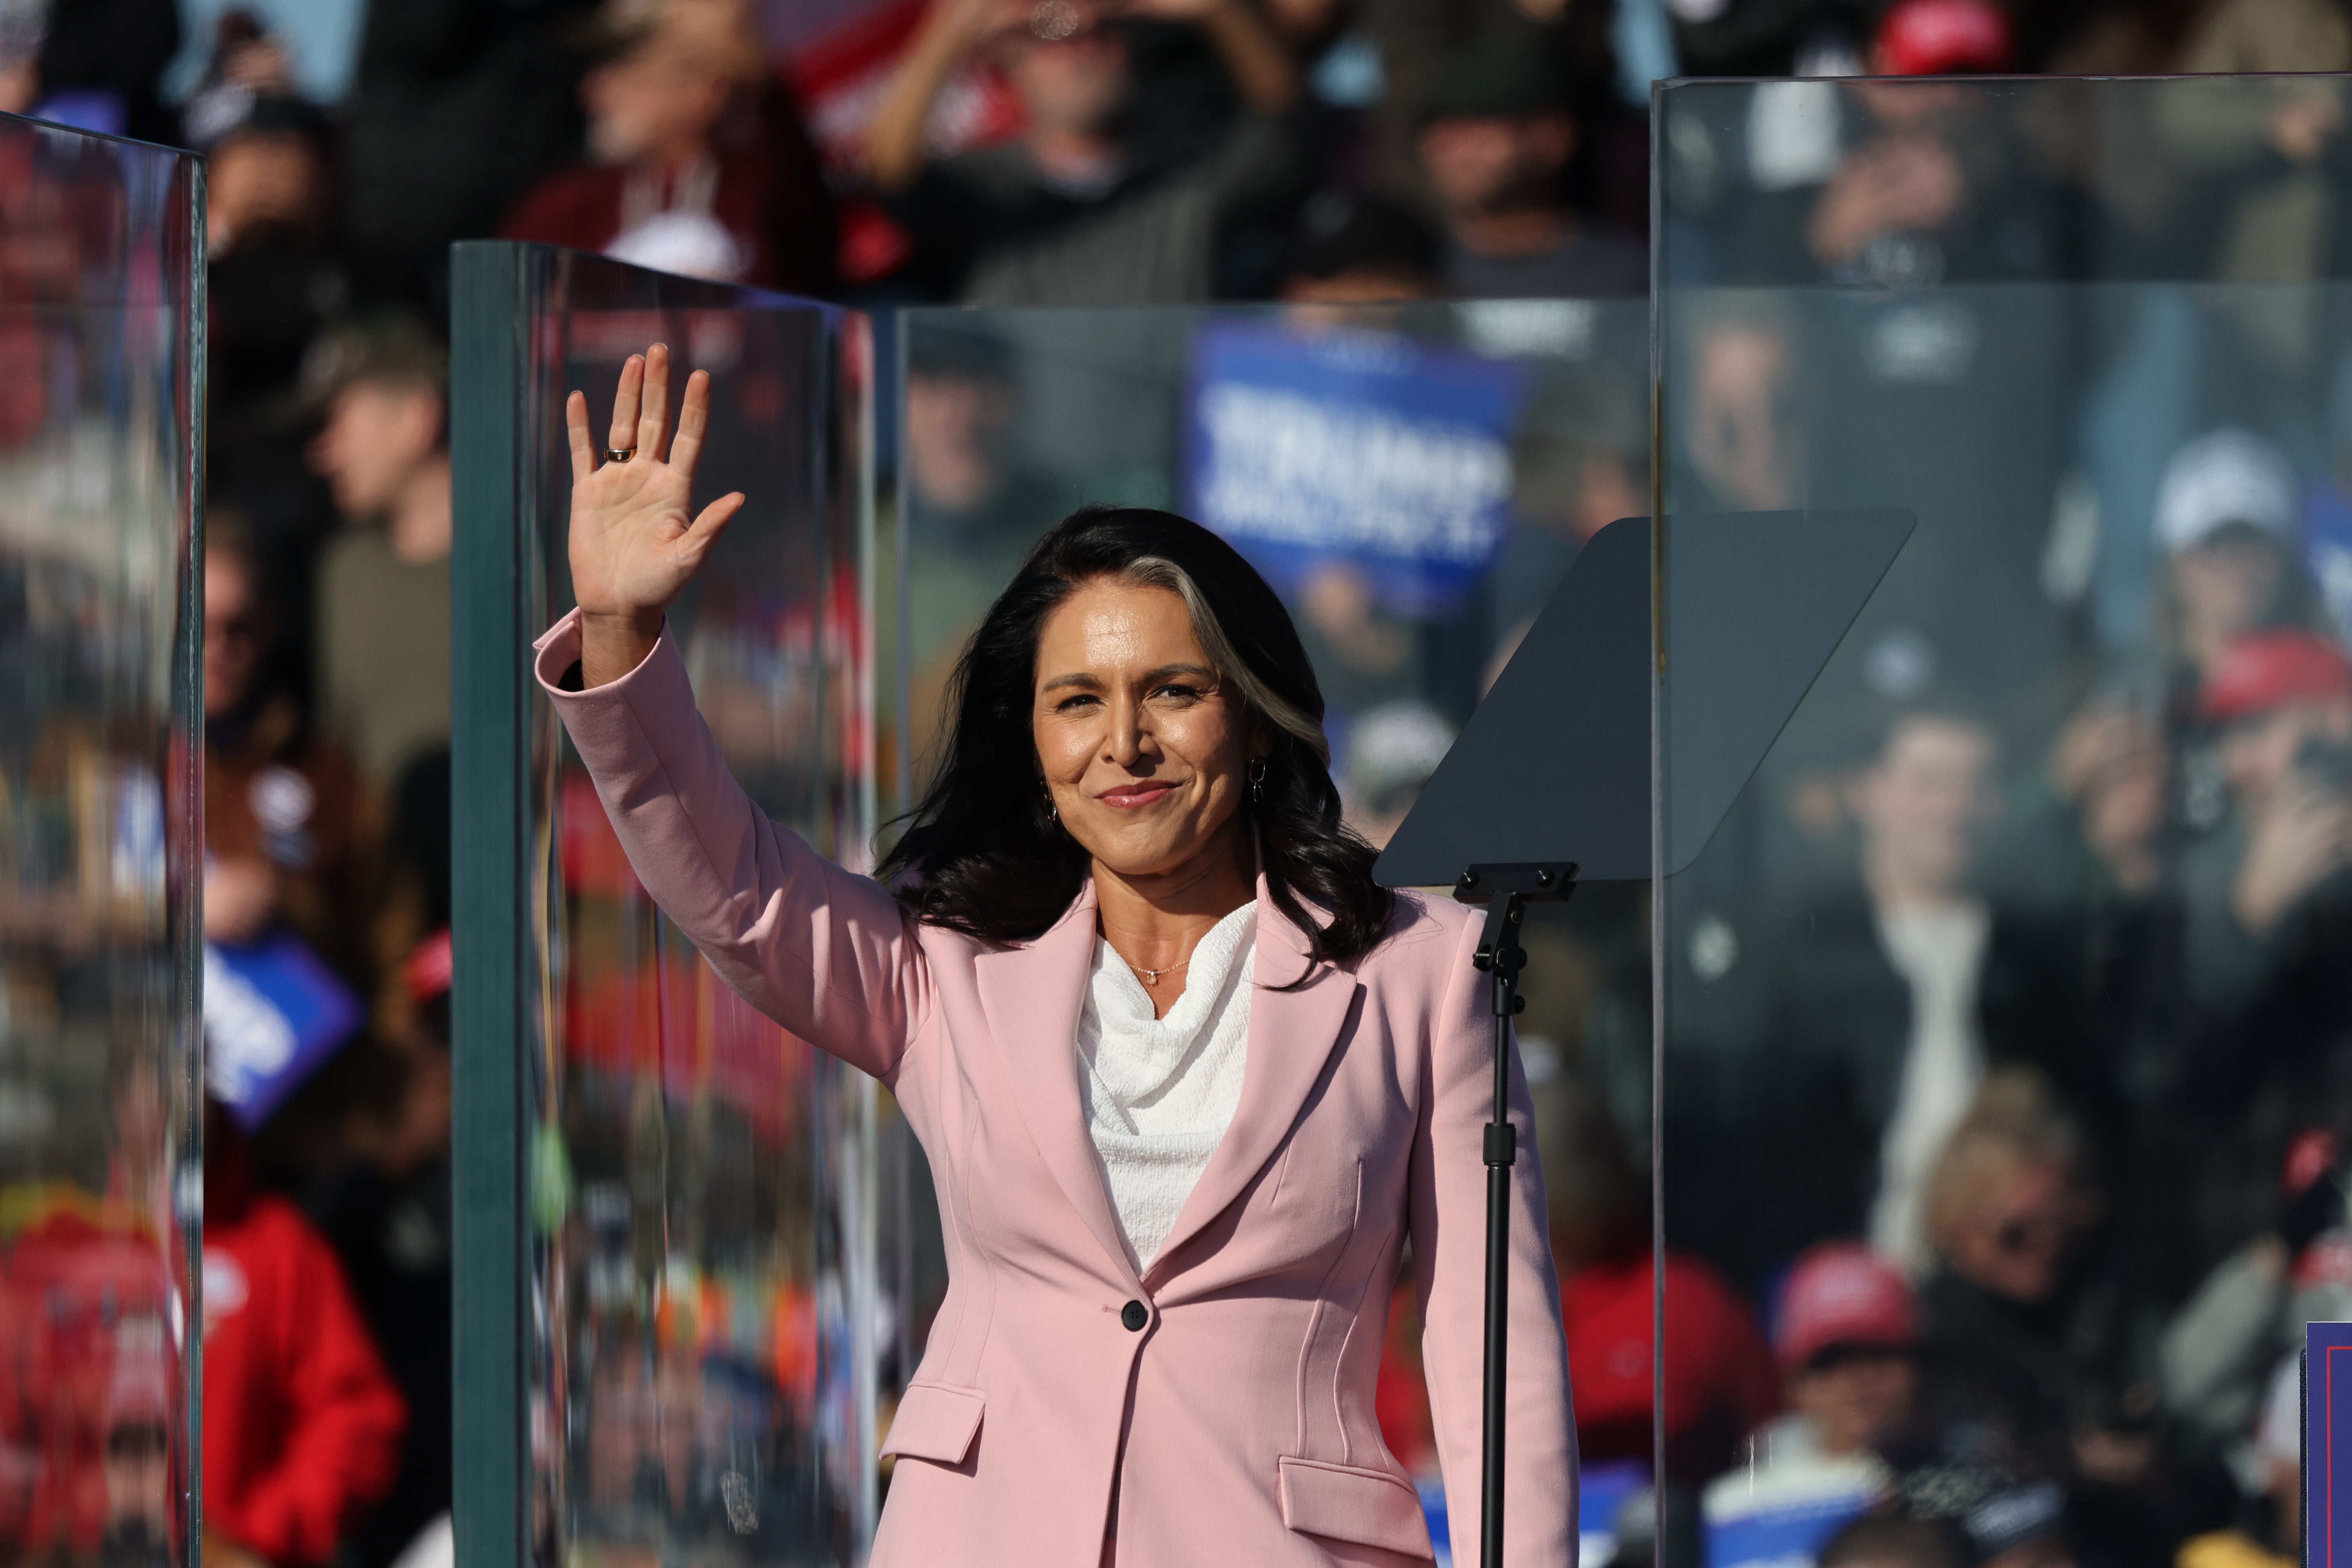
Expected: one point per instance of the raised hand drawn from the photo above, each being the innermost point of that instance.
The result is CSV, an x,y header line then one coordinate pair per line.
x,y
634,544
2299,839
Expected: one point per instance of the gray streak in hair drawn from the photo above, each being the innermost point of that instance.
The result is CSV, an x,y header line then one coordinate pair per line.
x,y
1158,572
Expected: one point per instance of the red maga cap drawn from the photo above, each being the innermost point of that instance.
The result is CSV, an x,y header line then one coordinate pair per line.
x,y
1944,38
1842,1293
2266,671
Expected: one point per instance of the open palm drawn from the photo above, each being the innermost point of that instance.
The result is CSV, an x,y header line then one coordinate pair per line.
x,y
635,544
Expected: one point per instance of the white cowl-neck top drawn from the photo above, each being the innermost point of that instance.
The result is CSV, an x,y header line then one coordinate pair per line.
x,y
1160,1092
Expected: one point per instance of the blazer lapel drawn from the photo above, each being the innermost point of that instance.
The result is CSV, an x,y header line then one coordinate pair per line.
x,y
1033,994
1291,1033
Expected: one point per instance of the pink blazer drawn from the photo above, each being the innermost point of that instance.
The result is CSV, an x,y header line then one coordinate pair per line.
x,y
1218,1407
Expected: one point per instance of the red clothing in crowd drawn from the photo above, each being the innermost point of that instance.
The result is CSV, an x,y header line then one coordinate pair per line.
x,y
84,1355
767,190
302,1426
1401,1395
1719,1382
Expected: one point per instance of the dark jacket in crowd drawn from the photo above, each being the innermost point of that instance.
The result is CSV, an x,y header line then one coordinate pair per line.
x,y
115,46
2285,1001
988,227
2272,1057
392,1238
1812,1114
458,108
2036,1372
2049,1381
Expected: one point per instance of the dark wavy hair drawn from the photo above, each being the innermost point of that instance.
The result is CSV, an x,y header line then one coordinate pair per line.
x,y
983,854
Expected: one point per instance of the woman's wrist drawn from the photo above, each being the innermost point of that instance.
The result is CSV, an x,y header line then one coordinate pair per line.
x,y
614,643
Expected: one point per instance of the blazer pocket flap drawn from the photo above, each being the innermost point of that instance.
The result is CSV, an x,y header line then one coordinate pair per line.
x,y
1341,1502
935,1421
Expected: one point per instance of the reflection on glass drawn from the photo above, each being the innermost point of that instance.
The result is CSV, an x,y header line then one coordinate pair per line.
x,y
1414,480
704,1304
101,356
2003,1058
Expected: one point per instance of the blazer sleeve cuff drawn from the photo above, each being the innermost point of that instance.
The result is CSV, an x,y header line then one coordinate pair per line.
x,y
658,685
557,651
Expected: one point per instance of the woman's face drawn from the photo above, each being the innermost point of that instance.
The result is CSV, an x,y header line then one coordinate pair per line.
x,y
1144,750
2017,1245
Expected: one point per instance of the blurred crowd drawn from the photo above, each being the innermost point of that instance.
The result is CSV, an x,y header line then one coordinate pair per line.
x,y
2003,1096
2024,1089
2023,1064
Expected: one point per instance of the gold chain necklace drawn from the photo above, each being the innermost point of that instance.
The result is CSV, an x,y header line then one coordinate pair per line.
x,y
1150,976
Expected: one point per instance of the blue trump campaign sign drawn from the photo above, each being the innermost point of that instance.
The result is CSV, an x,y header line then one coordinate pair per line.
x,y
2327,1445
1788,1534
273,1015
1603,1492
1385,452
1780,1515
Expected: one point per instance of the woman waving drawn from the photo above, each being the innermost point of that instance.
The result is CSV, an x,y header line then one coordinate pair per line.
x,y
1188,1081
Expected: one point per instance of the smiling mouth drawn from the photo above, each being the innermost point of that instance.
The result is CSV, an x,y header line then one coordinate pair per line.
x,y
1128,797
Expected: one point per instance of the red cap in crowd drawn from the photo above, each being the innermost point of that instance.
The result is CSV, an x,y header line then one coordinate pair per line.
x,y
1842,1293
429,968
2310,1155
1944,38
2265,670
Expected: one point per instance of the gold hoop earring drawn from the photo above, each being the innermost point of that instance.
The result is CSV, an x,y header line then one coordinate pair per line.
x,y
1257,779
1053,812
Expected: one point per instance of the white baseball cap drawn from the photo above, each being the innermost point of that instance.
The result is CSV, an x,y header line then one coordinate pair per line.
x,y
2224,476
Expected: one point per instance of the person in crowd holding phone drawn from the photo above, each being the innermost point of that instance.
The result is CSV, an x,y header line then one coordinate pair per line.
x,y
1189,1081
2283,700
1078,210
2268,906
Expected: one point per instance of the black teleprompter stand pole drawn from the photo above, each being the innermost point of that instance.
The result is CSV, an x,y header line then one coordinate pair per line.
x,y
1505,890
